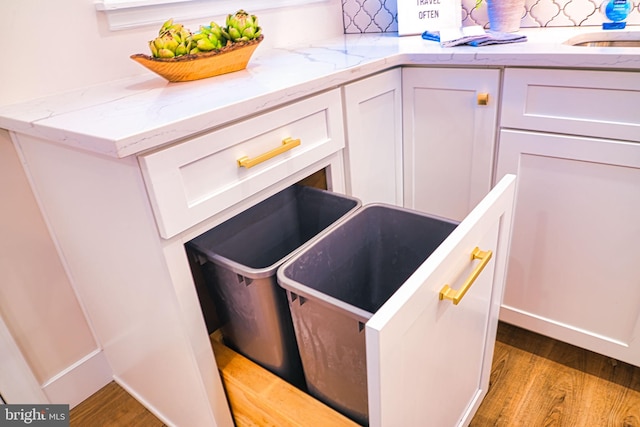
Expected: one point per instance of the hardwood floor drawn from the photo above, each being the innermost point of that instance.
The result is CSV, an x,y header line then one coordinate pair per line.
x,y
111,406
535,381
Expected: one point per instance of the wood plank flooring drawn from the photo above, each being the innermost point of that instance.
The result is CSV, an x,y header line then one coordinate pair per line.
x,y
535,381
256,395
111,406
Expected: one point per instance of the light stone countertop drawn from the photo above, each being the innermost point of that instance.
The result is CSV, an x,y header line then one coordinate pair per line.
x,y
129,116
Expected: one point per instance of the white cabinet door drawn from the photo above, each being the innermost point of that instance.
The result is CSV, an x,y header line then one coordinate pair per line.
x,y
572,271
373,109
428,360
448,134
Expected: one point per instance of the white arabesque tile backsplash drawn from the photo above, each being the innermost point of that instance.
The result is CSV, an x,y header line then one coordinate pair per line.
x,y
381,16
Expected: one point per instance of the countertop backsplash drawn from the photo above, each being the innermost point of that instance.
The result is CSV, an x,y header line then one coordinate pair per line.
x,y
381,16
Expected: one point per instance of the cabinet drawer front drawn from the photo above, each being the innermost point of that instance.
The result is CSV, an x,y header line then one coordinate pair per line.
x,y
429,358
591,103
193,180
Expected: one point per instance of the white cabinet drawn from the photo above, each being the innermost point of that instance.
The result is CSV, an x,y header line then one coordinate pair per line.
x,y
123,244
449,128
572,269
575,102
373,112
121,226
429,345
428,359
198,178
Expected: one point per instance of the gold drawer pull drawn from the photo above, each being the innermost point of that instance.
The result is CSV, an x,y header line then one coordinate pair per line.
x,y
456,296
483,99
287,144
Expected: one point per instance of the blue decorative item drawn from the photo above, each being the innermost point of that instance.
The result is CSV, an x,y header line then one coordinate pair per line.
x,y
616,12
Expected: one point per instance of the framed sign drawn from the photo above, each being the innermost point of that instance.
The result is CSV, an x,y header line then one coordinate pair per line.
x,y
418,16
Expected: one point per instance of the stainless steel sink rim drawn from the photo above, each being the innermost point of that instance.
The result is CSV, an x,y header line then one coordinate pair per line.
x,y
606,39
610,43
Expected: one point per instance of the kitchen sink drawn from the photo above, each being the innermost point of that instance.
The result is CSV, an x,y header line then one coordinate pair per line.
x,y
606,39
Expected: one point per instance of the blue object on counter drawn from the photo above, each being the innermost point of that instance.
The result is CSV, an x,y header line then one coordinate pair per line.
x,y
616,11
486,39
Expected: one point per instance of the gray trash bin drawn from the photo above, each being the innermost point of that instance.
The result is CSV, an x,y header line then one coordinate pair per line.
x,y
240,258
336,284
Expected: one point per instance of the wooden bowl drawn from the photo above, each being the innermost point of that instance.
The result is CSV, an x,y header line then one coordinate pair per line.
x,y
233,57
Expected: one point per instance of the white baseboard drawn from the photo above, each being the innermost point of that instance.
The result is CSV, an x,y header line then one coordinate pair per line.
x,y
17,382
80,380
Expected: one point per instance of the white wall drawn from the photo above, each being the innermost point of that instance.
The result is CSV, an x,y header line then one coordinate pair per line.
x,y
53,47
57,46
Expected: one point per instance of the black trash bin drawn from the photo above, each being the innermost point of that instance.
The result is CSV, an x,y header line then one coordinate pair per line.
x,y
336,284
240,260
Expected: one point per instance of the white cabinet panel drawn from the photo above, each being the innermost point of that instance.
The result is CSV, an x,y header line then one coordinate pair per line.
x,y
448,136
592,103
428,360
373,111
573,265
194,180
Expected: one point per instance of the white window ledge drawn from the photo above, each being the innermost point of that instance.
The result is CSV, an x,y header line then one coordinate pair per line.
x,y
127,14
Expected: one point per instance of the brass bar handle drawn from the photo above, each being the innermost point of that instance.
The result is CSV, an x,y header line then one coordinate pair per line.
x,y
287,144
483,98
456,296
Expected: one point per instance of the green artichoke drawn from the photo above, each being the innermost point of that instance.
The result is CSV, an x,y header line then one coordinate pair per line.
x,y
210,38
242,27
173,40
